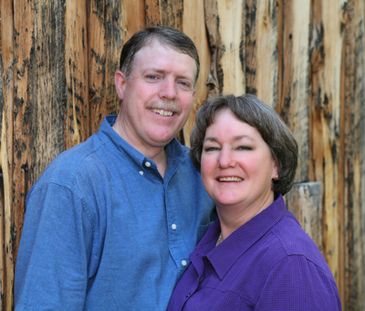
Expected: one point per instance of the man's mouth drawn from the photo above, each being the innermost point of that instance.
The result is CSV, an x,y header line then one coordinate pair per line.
x,y
164,113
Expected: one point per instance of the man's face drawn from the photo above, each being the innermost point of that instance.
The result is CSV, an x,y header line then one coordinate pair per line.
x,y
157,96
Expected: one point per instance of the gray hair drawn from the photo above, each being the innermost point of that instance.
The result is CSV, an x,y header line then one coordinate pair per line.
x,y
249,109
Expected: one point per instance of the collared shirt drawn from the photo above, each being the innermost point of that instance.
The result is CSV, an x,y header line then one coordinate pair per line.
x,y
268,264
104,231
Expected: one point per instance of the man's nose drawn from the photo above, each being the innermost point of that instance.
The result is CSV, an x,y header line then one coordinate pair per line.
x,y
168,89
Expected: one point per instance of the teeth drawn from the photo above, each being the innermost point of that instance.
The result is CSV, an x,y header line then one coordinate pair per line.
x,y
230,178
163,112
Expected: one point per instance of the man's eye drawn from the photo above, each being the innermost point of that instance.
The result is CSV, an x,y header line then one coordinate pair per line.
x,y
185,85
152,77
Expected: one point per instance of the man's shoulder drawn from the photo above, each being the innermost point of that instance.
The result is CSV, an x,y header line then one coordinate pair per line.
x,y
72,163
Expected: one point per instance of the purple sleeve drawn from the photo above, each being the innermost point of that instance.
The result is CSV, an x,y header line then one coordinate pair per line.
x,y
297,284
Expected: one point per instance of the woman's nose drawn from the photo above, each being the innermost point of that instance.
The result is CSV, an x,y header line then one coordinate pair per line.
x,y
226,158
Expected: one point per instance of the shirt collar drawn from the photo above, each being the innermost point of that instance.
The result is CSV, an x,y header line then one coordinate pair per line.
x,y
226,254
174,150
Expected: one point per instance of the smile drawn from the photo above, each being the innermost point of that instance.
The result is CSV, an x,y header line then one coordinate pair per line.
x,y
162,112
230,179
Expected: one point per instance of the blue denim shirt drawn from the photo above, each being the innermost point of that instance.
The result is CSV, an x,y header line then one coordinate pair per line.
x,y
104,231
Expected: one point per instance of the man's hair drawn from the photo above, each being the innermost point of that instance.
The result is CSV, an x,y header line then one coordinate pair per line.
x,y
168,36
249,109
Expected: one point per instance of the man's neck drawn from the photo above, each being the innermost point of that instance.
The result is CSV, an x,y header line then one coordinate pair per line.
x,y
157,154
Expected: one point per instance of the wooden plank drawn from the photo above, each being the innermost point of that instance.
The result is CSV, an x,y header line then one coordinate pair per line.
x,y
133,16
262,50
353,141
215,77
76,72
326,47
106,34
294,76
47,87
164,12
152,12
6,153
194,27
231,28
304,200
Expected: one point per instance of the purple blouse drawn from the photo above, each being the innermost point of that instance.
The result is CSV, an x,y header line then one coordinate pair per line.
x,y
269,263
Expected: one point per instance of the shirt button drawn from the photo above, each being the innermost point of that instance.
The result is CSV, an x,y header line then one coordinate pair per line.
x,y
173,226
147,164
141,173
184,263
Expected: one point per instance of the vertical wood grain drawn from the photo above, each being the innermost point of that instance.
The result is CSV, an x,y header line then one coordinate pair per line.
x,y
294,76
327,39
352,147
194,27
6,154
106,35
76,73
262,49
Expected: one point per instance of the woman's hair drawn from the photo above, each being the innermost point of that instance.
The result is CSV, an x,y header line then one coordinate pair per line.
x,y
249,109
168,36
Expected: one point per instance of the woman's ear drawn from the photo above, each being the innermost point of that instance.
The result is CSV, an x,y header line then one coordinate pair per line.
x,y
275,171
120,80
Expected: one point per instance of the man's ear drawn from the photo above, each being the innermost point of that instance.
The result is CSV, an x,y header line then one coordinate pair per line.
x,y
119,80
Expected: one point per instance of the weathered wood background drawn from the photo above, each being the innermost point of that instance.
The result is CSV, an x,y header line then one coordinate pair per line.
x,y
306,58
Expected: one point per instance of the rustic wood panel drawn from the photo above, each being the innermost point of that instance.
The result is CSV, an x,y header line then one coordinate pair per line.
x,y
194,26
294,24
305,202
6,154
326,47
106,31
76,71
231,29
262,49
353,89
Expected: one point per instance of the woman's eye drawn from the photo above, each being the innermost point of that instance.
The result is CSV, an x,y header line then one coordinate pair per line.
x,y
243,147
210,149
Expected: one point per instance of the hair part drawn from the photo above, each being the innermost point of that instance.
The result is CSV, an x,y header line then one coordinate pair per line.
x,y
249,109
168,36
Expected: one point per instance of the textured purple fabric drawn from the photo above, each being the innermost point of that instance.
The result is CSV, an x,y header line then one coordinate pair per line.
x,y
269,263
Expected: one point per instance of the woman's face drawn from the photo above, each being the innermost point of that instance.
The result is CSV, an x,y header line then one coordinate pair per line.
x,y
237,166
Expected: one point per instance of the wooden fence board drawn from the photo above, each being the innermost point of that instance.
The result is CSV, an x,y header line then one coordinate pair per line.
x,y
215,76
262,49
353,146
76,72
327,47
6,153
305,202
294,76
194,27
106,32
231,29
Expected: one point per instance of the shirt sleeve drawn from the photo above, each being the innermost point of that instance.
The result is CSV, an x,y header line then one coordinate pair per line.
x,y
56,244
297,284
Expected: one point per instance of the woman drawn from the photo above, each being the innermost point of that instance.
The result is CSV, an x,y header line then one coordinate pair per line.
x,y
256,257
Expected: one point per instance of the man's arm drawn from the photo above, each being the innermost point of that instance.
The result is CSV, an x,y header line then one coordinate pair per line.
x,y
52,263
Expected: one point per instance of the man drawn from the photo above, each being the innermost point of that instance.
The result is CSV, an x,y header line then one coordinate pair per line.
x,y
112,221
